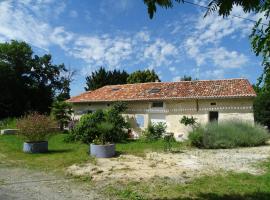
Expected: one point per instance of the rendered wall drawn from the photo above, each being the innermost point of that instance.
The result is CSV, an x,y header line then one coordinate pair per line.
x,y
229,109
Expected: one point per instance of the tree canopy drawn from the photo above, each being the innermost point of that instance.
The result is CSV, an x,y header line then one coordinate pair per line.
x,y
102,77
143,76
28,82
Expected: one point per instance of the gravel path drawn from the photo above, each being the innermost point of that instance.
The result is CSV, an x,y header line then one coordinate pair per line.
x,y
22,184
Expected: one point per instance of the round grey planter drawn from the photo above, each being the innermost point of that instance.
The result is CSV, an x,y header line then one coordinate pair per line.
x,y
102,151
35,147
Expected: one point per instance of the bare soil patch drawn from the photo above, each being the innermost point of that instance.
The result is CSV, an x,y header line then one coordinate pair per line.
x,y
179,166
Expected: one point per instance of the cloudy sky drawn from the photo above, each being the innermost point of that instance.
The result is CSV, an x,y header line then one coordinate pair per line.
x,y
118,34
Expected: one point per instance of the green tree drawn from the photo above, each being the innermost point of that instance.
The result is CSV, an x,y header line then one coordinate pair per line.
x,y
102,77
61,112
186,78
143,76
27,82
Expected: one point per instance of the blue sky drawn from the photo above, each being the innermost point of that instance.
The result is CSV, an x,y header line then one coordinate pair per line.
x,y
118,34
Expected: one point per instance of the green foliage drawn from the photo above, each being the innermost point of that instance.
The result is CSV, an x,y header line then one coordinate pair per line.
x,y
154,131
143,76
101,77
228,134
196,137
8,123
61,112
262,108
186,78
188,121
35,127
91,126
27,82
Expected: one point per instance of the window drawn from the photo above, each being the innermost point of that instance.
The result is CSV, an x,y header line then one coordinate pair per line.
x,y
140,120
115,89
154,90
157,105
213,116
213,104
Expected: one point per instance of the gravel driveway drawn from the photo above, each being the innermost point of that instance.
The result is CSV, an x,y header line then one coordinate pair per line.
x,y
22,184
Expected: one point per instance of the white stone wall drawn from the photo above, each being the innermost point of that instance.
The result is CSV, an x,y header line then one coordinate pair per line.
x,y
238,108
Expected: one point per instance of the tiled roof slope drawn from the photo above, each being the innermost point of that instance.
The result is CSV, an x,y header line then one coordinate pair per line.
x,y
228,88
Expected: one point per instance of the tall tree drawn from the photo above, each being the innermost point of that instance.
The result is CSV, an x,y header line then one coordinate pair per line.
x,y
102,77
61,112
27,82
143,76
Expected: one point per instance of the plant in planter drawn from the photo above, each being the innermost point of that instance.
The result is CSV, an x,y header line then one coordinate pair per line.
x,y
102,146
36,130
102,127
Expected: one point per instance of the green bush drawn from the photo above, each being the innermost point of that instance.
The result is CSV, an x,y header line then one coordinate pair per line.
x,y
154,131
36,127
229,134
95,127
8,123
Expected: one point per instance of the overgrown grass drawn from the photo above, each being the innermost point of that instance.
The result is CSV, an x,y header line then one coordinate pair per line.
x,y
231,186
8,123
140,147
229,134
60,154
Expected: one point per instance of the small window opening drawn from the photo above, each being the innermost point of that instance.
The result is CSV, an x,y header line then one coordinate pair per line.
x,y
154,90
157,105
213,104
115,89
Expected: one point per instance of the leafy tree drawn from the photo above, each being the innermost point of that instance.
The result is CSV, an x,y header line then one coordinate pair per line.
x,y
27,82
61,112
186,78
143,76
101,77
262,108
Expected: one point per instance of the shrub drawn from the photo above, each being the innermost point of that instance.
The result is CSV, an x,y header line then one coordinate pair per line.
x,y
154,131
196,137
35,127
8,123
229,134
188,121
61,112
91,126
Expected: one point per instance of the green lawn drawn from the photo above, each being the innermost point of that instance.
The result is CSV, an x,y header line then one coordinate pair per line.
x,y
62,154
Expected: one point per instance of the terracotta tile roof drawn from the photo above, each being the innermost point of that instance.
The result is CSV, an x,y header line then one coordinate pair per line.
x,y
228,88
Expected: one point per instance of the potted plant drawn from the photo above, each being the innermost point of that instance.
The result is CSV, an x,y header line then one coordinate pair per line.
x,y
101,129
102,146
36,130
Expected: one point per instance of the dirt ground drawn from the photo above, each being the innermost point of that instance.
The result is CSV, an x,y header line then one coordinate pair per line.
x,y
178,166
23,184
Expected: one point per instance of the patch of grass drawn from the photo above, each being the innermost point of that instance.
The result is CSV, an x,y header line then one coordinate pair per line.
x,y
140,147
8,123
230,186
60,154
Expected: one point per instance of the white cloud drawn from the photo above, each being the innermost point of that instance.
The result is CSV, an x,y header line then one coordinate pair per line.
x,y
172,69
205,44
160,53
21,21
